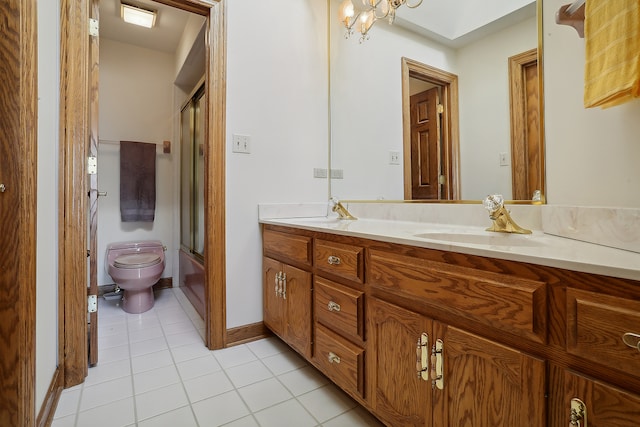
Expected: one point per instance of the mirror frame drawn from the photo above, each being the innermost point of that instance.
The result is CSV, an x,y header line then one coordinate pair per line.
x,y
454,160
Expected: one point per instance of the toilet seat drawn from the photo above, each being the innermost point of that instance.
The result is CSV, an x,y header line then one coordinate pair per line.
x,y
139,260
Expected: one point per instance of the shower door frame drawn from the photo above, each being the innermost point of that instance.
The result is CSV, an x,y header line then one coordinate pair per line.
x,y
74,132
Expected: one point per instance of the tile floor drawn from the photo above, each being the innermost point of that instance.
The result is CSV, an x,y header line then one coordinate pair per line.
x,y
154,370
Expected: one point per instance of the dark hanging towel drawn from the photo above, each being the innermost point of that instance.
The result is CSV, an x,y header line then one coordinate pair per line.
x,y
137,181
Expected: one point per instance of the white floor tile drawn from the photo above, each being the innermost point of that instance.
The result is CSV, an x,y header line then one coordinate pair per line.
x,y
357,417
107,371
114,340
152,332
284,362
247,421
268,347
264,394
184,338
157,378
248,373
303,380
177,328
206,386
188,352
196,367
160,401
220,410
234,356
148,346
326,402
287,414
142,324
106,392
150,361
182,417
68,421
68,402
115,414
113,354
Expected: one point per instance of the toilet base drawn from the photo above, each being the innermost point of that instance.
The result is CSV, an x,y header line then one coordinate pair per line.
x,y
136,301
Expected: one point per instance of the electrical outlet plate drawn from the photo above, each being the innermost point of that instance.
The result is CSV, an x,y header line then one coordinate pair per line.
x,y
241,144
394,157
504,160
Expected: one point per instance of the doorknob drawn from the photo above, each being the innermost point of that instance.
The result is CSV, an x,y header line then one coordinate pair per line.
x,y
2,188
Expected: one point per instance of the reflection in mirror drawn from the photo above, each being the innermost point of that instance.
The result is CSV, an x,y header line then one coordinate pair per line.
x,y
371,86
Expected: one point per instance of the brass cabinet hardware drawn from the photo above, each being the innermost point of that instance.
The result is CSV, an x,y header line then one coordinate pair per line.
x,y
333,306
437,376
334,260
578,415
632,340
333,358
281,284
277,280
422,361
284,286
3,188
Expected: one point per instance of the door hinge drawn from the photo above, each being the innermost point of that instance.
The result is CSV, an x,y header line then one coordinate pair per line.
x,y
440,108
442,180
94,27
92,303
92,165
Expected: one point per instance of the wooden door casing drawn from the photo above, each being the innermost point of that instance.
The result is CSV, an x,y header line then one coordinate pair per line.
x,y
18,171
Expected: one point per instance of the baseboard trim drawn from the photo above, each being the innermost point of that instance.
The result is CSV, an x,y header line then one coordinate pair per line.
x,y
48,409
247,333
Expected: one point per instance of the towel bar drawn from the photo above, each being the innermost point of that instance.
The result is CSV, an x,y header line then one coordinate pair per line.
x,y
572,15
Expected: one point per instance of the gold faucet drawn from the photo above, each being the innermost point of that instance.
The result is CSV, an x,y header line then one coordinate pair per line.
x,y
342,212
502,221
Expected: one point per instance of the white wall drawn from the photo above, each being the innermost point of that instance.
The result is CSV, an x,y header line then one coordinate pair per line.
x,y
277,94
47,198
485,129
592,154
136,104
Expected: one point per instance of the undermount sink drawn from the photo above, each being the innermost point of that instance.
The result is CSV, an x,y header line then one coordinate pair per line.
x,y
488,238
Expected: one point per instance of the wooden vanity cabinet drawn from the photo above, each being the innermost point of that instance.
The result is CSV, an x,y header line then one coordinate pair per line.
x,y
515,343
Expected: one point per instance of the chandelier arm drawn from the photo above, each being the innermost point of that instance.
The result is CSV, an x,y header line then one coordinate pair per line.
x,y
376,9
413,6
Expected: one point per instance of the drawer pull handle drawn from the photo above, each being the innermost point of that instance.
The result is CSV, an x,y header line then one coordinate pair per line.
x,y
578,414
632,340
333,358
333,306
422,362
334,260
437,371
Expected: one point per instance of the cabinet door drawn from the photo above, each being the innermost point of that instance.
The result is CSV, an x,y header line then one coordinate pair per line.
x,y
273,304
606,406
297,296
487,384
398,395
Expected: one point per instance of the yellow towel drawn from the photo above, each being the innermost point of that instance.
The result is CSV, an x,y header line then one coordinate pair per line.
x,y
612,52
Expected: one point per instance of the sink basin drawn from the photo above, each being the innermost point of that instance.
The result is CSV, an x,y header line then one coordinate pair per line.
x,y
487,239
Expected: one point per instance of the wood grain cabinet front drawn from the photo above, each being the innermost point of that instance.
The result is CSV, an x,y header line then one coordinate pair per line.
x,y
339,259
340,308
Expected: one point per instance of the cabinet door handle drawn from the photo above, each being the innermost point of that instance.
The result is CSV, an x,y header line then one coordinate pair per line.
x,y
284,286
437,374
632,340
333,358
422,361
334,260
333,306
277,280
578,414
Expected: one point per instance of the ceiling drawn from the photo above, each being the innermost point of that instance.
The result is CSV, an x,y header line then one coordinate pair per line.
x,y
164,36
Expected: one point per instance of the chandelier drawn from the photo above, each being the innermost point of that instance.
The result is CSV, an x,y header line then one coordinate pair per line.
x,y
364,13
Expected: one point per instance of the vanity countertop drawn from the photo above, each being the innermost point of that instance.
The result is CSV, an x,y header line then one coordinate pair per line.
x,y
537,248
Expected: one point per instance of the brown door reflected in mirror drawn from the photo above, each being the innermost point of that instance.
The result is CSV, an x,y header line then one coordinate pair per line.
x,y
425,145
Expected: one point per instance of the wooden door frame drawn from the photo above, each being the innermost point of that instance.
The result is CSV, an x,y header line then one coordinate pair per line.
x,y
450,124
74,132
20,119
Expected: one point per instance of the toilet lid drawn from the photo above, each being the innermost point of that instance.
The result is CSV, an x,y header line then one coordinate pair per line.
x,y
136,260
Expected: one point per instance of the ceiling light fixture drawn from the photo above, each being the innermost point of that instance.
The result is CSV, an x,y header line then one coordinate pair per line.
x,y
137,15
367,12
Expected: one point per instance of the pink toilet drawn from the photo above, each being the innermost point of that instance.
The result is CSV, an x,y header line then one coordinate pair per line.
x,y
135,267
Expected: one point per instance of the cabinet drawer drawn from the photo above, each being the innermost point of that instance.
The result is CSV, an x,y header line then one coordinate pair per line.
x,y
340,259
339,307
340,360
501,301
596,325
287,246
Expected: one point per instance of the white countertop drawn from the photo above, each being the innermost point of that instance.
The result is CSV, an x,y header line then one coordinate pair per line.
x,y
537,248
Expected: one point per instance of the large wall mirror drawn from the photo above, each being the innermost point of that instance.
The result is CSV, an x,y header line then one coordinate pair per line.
x,y
445,104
